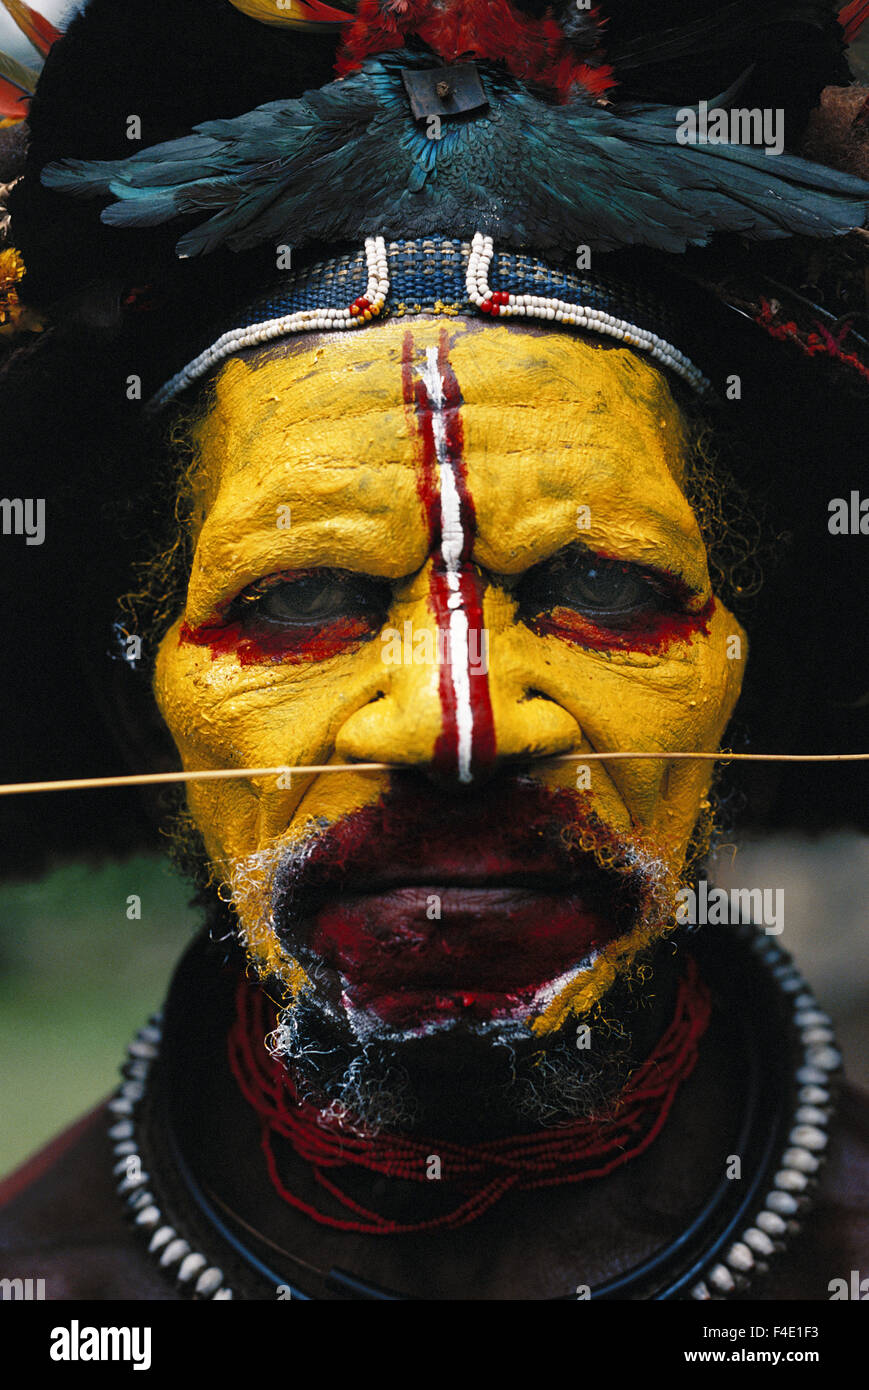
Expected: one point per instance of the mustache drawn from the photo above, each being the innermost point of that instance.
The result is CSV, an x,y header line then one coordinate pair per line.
x,y
513,830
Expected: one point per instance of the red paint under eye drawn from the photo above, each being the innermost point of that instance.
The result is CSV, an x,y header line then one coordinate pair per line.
x,y
650,632
254,642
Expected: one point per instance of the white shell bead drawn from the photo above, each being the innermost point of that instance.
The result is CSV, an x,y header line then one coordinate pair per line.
x,y
771,1223
788,1180
174,1250
739,1257
721,1279
800,1159
808,1137
814,1095
209,1281
811,1076
811,1115
758,1241
782,1203
190,1265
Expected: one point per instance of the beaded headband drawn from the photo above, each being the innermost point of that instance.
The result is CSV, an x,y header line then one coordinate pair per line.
x,y
443,276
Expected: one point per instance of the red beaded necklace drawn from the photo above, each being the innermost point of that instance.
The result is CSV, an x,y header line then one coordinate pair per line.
x,y
483,1173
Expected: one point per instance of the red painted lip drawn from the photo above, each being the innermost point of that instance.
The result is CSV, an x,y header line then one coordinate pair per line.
x,y
495,943
524,898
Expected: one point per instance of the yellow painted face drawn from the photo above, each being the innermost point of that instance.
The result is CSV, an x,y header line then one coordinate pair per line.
x,y
462,550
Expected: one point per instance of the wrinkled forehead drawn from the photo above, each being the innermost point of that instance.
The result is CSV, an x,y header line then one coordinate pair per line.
x,y
521,392
343,450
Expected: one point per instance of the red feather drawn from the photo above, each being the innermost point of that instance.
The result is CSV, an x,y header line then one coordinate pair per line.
x,y
853,17
534,50
318,13
13,102
41,33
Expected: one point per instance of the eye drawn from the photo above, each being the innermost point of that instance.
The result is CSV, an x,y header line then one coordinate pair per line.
x,y
312,598
609,590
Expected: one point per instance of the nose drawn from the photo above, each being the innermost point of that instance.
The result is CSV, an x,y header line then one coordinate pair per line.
x,y
453,700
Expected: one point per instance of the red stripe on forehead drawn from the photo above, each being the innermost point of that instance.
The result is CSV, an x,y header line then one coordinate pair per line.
x,y
455,443
417,409
431,391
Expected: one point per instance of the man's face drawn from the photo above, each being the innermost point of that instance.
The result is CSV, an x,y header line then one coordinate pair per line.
x,y
461,549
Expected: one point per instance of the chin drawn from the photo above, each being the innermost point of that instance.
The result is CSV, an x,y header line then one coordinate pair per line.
x,y
458,1067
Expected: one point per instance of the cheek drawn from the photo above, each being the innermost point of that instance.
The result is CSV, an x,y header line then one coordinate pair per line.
x,y
195,694
222,713
680,701
227,710
686,706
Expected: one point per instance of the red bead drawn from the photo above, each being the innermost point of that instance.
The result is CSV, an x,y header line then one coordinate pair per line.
x,y
584,1149
363,303
486,306
495,311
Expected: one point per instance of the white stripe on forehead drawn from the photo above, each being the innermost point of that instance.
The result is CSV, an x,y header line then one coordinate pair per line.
x,y
453,541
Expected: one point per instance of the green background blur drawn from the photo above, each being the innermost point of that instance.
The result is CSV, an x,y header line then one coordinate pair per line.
x,y
77,977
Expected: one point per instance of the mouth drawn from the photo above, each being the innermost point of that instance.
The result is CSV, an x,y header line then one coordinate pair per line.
x,y
412,955
407,923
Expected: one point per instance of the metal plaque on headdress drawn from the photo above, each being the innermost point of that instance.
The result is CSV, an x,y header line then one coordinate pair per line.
x,y
443,91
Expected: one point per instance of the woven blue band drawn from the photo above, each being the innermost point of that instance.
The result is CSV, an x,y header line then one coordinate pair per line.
x,y
431,276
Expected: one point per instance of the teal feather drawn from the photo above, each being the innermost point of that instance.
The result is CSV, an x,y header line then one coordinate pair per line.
x,y
348,161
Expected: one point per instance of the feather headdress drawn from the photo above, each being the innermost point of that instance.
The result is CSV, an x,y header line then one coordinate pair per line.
x,y
349,160
539,160
577,128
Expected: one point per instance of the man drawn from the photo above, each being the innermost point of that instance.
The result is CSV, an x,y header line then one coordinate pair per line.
x,y
442,555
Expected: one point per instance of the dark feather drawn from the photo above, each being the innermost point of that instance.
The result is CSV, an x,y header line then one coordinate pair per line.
x,y
348,161
717,32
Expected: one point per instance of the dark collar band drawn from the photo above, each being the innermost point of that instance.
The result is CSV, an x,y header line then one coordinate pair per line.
x,y
723,1253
